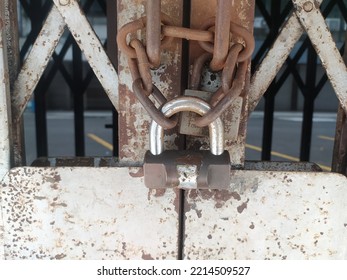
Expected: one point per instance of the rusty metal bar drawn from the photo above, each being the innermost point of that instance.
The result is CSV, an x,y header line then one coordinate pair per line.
x,y
153,32
5,108
133,119
222,34
187,33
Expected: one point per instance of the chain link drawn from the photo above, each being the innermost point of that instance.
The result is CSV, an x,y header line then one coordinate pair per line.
x,y
227,46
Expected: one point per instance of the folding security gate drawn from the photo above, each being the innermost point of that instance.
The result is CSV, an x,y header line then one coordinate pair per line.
x,y
107,212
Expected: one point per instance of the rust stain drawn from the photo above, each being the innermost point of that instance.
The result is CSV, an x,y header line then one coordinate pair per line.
x,y
40,197
54,204
242,207
147,256
137,174
60,256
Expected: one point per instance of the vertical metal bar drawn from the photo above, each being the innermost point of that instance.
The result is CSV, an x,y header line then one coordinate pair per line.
x,y
41,120
268,122
5,163
77,67
271,93
339,160
133,120
39,93
186,17
153,30
309,97
11,20
112,51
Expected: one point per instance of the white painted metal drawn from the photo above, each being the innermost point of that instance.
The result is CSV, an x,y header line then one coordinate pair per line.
x,y
91,46
86,213
313,21
5,109
275,58
269,215
46,42
36,62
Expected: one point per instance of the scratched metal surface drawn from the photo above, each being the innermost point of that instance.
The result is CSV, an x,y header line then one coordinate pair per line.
x,y
133,119
242,14
86,213
269,215
4,98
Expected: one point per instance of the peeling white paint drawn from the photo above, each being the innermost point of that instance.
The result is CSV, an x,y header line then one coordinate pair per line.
x,y
86,213
269,215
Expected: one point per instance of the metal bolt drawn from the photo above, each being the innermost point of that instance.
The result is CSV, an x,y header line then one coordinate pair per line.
x,y
64,2
308,6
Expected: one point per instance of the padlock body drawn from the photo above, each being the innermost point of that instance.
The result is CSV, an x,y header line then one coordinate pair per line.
x,y
187,169
231,118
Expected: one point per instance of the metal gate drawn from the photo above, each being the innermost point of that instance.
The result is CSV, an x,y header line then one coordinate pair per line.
x,y
106,212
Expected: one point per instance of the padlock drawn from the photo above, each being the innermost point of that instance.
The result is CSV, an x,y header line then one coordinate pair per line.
x,y
231,118
208,169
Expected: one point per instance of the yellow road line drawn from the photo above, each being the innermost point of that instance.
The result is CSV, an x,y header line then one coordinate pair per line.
x,y
326,138
277,154
100,141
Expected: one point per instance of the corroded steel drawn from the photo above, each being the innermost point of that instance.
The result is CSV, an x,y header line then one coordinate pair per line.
x,y
148,105
135,50
5,108
86,213
229,97
133,119
269,215
222,34
242,13
153,32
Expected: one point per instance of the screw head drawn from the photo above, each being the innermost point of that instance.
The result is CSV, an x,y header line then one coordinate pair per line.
x,y
308,6
64,2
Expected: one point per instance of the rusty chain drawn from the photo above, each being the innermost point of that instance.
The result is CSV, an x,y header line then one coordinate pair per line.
x,y
227,47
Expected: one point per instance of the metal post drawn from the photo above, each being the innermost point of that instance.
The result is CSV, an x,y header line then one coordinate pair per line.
x,y
339,161
11,26
4,99
271,92
78,100
112,51
39,97
309,96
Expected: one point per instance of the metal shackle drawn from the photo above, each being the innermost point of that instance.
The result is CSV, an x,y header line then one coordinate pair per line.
x,y
187,104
